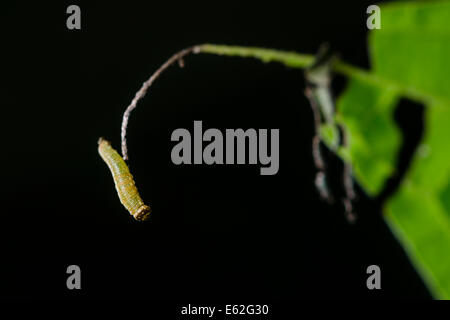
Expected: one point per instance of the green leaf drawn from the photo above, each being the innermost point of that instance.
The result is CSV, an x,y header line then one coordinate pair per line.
x,y
366,112
410,57
329,135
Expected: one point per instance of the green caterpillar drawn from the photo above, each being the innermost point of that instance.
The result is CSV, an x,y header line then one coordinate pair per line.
x,y
125,186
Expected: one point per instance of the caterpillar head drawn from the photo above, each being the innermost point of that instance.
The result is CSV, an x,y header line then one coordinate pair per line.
x,y
142,213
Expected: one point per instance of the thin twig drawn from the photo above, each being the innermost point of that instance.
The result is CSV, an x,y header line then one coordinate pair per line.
x,y
317,156
141,93
347,178
320,180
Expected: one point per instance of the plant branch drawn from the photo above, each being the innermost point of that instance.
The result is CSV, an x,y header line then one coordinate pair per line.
x,y
287,58
301,61
145,86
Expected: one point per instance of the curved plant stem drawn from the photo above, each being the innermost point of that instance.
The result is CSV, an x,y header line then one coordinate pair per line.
x,y
141,93
287,58
301,61
290,59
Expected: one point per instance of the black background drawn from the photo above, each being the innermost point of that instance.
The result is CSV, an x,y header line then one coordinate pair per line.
x,y
216,232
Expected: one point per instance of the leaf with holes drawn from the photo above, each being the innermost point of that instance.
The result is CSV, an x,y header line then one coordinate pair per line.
x,y
412,51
